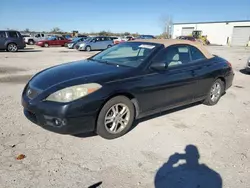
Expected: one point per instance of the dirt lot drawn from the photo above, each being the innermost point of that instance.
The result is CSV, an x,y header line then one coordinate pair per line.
x,y
221,134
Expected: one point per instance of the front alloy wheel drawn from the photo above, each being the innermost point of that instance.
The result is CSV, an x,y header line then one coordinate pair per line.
x,y
115,118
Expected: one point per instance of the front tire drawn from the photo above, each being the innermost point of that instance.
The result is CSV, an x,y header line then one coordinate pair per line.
x,y
46,45
88,48
115,118
12,47
215,93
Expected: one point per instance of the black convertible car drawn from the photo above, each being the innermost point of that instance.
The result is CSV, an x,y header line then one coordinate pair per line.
x,y
107,92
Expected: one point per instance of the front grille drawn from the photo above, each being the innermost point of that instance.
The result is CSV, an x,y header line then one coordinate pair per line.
x,y
31,92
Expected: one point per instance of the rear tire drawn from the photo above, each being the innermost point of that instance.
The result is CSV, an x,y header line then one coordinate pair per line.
x,y
115,118
12,47
215,93
31,42
46,45
88,48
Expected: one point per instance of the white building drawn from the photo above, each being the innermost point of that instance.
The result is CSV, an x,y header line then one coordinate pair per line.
x,y
234,33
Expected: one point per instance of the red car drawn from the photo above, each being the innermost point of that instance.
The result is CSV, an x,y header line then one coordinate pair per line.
x,y
186,38
53,41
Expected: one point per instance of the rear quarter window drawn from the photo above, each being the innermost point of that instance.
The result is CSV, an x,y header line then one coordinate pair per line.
x,y
13,34
196,54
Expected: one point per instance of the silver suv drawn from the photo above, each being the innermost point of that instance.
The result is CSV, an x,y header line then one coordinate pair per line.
x,y
95,43
32,39
11,41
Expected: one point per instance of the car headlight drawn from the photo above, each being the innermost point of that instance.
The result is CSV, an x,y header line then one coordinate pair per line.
x,y
82,45
74,92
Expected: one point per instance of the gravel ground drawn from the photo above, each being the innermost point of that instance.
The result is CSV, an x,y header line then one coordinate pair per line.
x,y
220,133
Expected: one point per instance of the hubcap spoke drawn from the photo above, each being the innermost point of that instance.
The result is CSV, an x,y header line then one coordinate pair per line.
x,y
215,92
116,118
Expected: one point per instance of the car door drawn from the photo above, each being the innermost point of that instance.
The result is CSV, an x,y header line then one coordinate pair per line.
x,y
203,72
107,42
2,39
95,43
54,41
61,41
171,87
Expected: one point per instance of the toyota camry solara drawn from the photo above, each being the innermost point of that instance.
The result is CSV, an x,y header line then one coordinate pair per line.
x,y
107,92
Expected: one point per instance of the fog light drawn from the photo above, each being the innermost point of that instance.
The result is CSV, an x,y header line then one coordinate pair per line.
x,y
57,122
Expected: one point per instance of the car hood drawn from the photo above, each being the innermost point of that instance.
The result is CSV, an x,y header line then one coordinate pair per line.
x,y
78,72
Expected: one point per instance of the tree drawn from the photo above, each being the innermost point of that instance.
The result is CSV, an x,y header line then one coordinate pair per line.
x,y
56,30
104,33
166,25
27,30
126,33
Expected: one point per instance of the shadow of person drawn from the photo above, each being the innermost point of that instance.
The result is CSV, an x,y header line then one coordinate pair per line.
x,y
191,174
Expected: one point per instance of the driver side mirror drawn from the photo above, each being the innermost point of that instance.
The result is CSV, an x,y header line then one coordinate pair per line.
x,y
159,66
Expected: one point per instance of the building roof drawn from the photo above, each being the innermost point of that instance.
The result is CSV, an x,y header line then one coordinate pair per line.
x,y
170,42
227,21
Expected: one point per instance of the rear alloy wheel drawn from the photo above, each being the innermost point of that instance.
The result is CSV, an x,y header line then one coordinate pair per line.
x,y
215,93
115,118
88,48
12,47
46,45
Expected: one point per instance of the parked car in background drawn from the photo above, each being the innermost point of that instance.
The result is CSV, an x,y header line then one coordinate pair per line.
x,y
33,38
107,92
145,37
123,39
186,38
11,40
53,41
95,43
248,65
69,37
82,36
71,45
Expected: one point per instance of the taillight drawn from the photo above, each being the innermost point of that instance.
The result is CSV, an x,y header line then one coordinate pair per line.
x,y
229,64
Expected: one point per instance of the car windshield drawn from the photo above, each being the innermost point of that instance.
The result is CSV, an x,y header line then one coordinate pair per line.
x,y
75,39
89,39
129,54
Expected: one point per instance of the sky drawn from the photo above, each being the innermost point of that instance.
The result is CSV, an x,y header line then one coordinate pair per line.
x,y
142,16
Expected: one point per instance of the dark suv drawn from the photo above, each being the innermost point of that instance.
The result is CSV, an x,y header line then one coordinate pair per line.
x,y
11,41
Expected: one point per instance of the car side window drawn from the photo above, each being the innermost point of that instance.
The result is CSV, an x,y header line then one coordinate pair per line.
x,y
12,34
37,35
2,34
196,54
42,35
174,55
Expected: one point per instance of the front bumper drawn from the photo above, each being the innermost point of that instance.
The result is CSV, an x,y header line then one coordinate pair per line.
x,y
60,118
